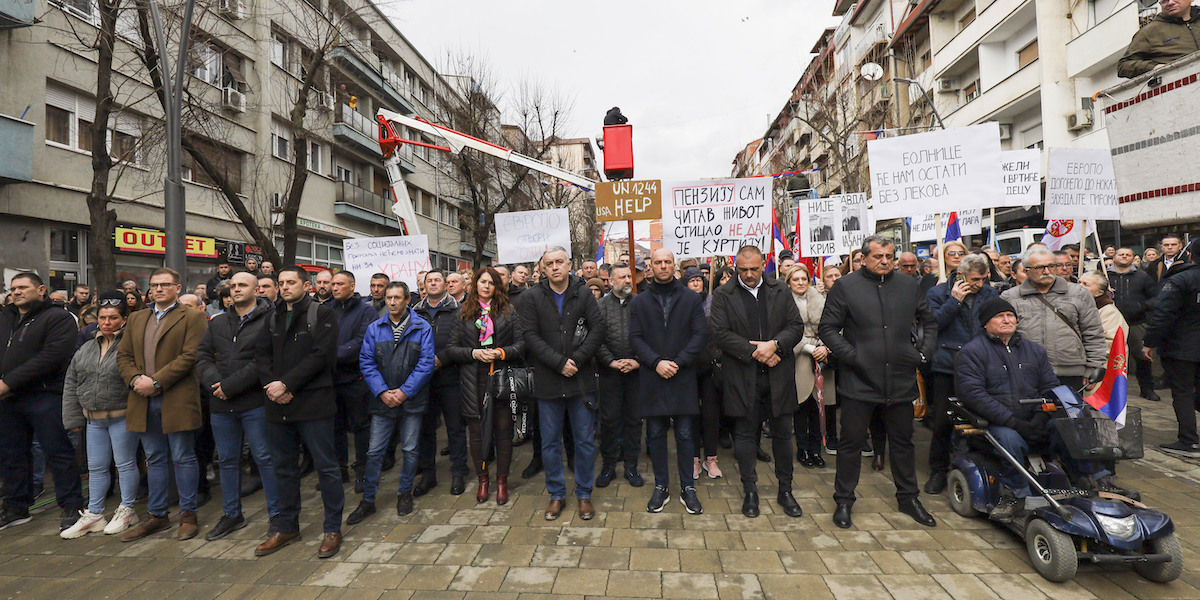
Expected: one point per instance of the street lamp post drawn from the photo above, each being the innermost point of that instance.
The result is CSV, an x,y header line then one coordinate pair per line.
x,y
174,206
927,98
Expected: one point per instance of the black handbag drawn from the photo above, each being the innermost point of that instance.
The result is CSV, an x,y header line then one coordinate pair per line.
x,y
514,385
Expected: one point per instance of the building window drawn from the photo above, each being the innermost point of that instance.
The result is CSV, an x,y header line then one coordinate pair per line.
x,y
281,142
320,251
208,62
966,19
227,162
314,157
84,9
1027,54
64,245
85,134
58,126
972,90
280,55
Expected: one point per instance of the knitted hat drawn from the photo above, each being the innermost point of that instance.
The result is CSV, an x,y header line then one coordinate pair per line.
x,y
993,307
690,273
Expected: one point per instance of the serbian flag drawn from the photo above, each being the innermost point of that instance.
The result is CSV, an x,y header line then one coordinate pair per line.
x,y
778,243
1110,397
953,233
600,249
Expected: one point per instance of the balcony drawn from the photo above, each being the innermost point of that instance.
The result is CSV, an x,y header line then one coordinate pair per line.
x,y
965,41
16,13
1098,48
364,205
352,127
352,62
16,150
466,244
1009,91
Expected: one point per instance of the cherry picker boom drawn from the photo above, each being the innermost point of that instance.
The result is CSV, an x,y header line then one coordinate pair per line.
x,y
456,142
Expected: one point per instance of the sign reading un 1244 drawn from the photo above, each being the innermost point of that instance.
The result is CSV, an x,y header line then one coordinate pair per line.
x,y
628,200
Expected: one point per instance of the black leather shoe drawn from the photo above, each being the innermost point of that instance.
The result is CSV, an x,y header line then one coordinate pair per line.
x,y
936,483
635,478
763,456
424,485
1149,394
607,474
750,505
914,509
457,485
789,505
841,516
535,467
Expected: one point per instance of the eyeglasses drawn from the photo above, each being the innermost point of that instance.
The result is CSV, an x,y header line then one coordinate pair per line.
x,y
955,253
112,302
155,286
1038,268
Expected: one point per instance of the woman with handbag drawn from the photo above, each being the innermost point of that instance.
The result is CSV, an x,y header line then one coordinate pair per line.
x,y
486,343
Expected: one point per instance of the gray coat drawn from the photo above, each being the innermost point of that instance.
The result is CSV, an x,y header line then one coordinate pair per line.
x,y
93,384
1074,350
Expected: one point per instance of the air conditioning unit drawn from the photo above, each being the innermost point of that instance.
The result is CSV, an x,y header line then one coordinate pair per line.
x,y
947,85
1082,119
234,9
233,100
1005,131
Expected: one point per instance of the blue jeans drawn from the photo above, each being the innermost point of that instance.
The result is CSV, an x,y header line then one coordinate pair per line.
x,y
317,436
25,416
181,445
685,448
227,428
381,433
583,428
1012,441
108,439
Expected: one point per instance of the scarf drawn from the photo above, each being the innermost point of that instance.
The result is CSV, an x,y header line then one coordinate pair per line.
x,y
486,328
399,328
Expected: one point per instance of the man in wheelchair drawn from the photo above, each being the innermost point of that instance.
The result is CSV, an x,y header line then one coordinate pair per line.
x,y
993,373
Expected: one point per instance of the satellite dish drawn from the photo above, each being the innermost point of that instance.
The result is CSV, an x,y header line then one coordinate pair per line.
x,y
871,71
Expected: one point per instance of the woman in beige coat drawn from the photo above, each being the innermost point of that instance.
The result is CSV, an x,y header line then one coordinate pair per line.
x,y
809,352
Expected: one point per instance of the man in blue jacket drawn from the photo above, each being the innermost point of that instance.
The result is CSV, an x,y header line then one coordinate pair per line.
x,y
397,362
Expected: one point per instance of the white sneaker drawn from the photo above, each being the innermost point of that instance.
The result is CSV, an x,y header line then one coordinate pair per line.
x,y
87,523
123,519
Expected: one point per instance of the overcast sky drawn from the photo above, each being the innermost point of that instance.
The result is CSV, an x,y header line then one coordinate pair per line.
x,y
697,79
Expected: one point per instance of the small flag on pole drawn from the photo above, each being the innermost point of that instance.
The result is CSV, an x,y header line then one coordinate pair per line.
x,y
1111,397
953,233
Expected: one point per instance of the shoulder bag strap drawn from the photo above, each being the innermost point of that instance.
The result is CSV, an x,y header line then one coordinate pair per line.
x,y
1061,316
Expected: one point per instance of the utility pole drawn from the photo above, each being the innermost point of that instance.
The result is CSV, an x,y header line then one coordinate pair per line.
x,y
174,205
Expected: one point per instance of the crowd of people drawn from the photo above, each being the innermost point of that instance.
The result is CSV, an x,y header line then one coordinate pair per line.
x,y
264,375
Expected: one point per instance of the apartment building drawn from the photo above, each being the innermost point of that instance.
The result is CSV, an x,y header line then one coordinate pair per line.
x,y
247,64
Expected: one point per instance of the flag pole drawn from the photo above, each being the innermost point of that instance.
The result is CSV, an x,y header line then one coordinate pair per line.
x,y
1082,245
632,250
941,251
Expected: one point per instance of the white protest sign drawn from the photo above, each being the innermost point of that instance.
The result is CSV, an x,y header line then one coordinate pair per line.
x,y
524,236
716,217
1080,185
970,222
398,257
924,228
819,227
938,171
855,223
1022,177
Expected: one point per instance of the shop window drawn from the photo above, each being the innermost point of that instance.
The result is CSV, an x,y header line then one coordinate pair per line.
x,y
64,245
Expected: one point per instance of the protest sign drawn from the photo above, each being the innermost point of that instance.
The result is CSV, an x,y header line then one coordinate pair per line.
x,y
855,222
1022,176
819,227
924,227
524,236
1080,185
628,200
716,217
970,222
398,257
938,172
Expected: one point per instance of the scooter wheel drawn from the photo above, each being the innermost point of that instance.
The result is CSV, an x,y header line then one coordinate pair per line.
x,y
1052,551
1162,572
959,492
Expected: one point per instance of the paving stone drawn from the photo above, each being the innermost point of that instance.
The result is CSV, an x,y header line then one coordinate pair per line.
x,y
855,586
374,552
689,585
639,538
529,579
1011,586
928,561
288,573
739,586
805,562
692,540
965,587
792,586
971,561
458,554
916,587
380,576
891,563
504,555
637,584
479,579
418,554
699,561
766,540
604,558
723,540
429,577
581,581
654,559
906,540
584,536
556,556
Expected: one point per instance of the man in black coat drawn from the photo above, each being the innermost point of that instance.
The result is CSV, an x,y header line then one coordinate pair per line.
x,y
37,340
755,324
445,395
296,360
620,426
1133,289
225,365
354,315
563,329
870,320
1173,331
668,332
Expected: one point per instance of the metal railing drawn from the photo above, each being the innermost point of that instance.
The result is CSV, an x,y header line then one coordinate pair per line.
x,y
366,199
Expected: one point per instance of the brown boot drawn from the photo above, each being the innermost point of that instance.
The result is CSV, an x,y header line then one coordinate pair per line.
x,y
276,543
501,490
586,510
330,544
152,524
482,495
188,527
553,509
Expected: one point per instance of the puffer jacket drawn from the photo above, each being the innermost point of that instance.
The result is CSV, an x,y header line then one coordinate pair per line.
x,y
465,339
1173,327
868,324
1069,355
93,384
226,356
957,320
615,312
990,377
406,365
1161,41
1132,292
443,320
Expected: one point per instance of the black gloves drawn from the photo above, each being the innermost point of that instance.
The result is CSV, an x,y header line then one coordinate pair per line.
x,y
1096,376
1033,431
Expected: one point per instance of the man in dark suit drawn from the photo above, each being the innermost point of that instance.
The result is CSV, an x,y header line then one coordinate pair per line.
x,y
755,324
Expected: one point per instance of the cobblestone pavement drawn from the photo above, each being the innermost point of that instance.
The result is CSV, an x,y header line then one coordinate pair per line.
x,y
452,549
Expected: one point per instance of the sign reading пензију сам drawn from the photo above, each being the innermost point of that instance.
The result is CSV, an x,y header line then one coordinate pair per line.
x,y
716,217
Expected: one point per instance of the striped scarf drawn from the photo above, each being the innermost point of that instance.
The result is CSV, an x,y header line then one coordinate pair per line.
x,y
399,328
